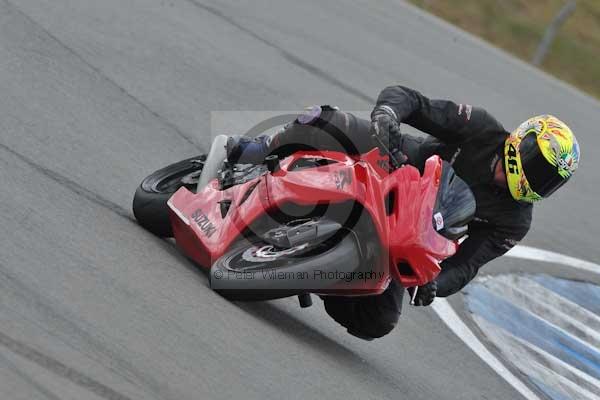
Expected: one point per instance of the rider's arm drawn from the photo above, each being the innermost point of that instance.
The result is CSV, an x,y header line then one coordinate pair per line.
x,y
333,130
444,119
482,246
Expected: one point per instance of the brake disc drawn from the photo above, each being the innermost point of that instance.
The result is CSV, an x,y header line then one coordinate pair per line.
x,y
269,252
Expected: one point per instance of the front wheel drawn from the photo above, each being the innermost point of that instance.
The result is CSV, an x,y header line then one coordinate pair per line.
x,y
260,271
150,199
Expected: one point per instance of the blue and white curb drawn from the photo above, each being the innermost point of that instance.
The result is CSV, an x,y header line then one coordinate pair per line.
x,y
549,338
548,328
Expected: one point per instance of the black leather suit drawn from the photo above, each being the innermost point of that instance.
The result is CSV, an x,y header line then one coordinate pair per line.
x,y
467,137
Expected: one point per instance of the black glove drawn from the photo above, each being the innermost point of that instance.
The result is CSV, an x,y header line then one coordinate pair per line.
x,y
426,294
386,128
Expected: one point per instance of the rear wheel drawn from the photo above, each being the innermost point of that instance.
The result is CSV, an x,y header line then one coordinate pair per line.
x,y
150,200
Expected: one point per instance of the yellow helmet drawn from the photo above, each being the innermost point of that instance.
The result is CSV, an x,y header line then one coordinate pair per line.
x,y
540,156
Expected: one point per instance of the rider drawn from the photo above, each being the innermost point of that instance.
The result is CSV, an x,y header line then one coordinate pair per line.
x,y
507,172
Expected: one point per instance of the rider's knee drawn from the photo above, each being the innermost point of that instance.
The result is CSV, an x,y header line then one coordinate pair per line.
x,y
367,318
377,327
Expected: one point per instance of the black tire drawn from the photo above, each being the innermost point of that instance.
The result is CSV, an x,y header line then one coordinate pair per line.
x,y
150,199
342,256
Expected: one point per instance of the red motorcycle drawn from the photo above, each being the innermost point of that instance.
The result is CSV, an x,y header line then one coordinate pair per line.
x,y
314,222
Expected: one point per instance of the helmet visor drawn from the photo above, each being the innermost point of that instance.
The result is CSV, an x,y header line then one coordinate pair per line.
x,y
542,176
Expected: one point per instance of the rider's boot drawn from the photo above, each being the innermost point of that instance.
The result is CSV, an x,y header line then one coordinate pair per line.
x,y
246,150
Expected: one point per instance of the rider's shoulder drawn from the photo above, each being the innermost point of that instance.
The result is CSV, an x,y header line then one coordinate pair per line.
x,y
485,120
517,216
501,210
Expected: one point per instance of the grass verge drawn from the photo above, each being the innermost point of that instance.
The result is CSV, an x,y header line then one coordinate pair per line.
x,y
517,26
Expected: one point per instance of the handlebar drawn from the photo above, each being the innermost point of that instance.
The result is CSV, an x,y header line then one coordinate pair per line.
x,y
382,146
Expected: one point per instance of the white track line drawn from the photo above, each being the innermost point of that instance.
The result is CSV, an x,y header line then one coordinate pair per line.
x,y
532,253
452,320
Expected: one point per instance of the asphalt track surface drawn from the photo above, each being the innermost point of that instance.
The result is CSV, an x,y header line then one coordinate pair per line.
x,y
94,95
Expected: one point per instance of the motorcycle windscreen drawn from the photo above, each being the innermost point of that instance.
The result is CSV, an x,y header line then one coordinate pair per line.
x,y
455,205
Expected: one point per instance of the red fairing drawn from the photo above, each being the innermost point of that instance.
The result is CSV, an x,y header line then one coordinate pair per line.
x,y
407,234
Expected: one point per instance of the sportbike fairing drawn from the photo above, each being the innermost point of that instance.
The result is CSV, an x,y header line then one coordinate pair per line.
x,y
400,205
